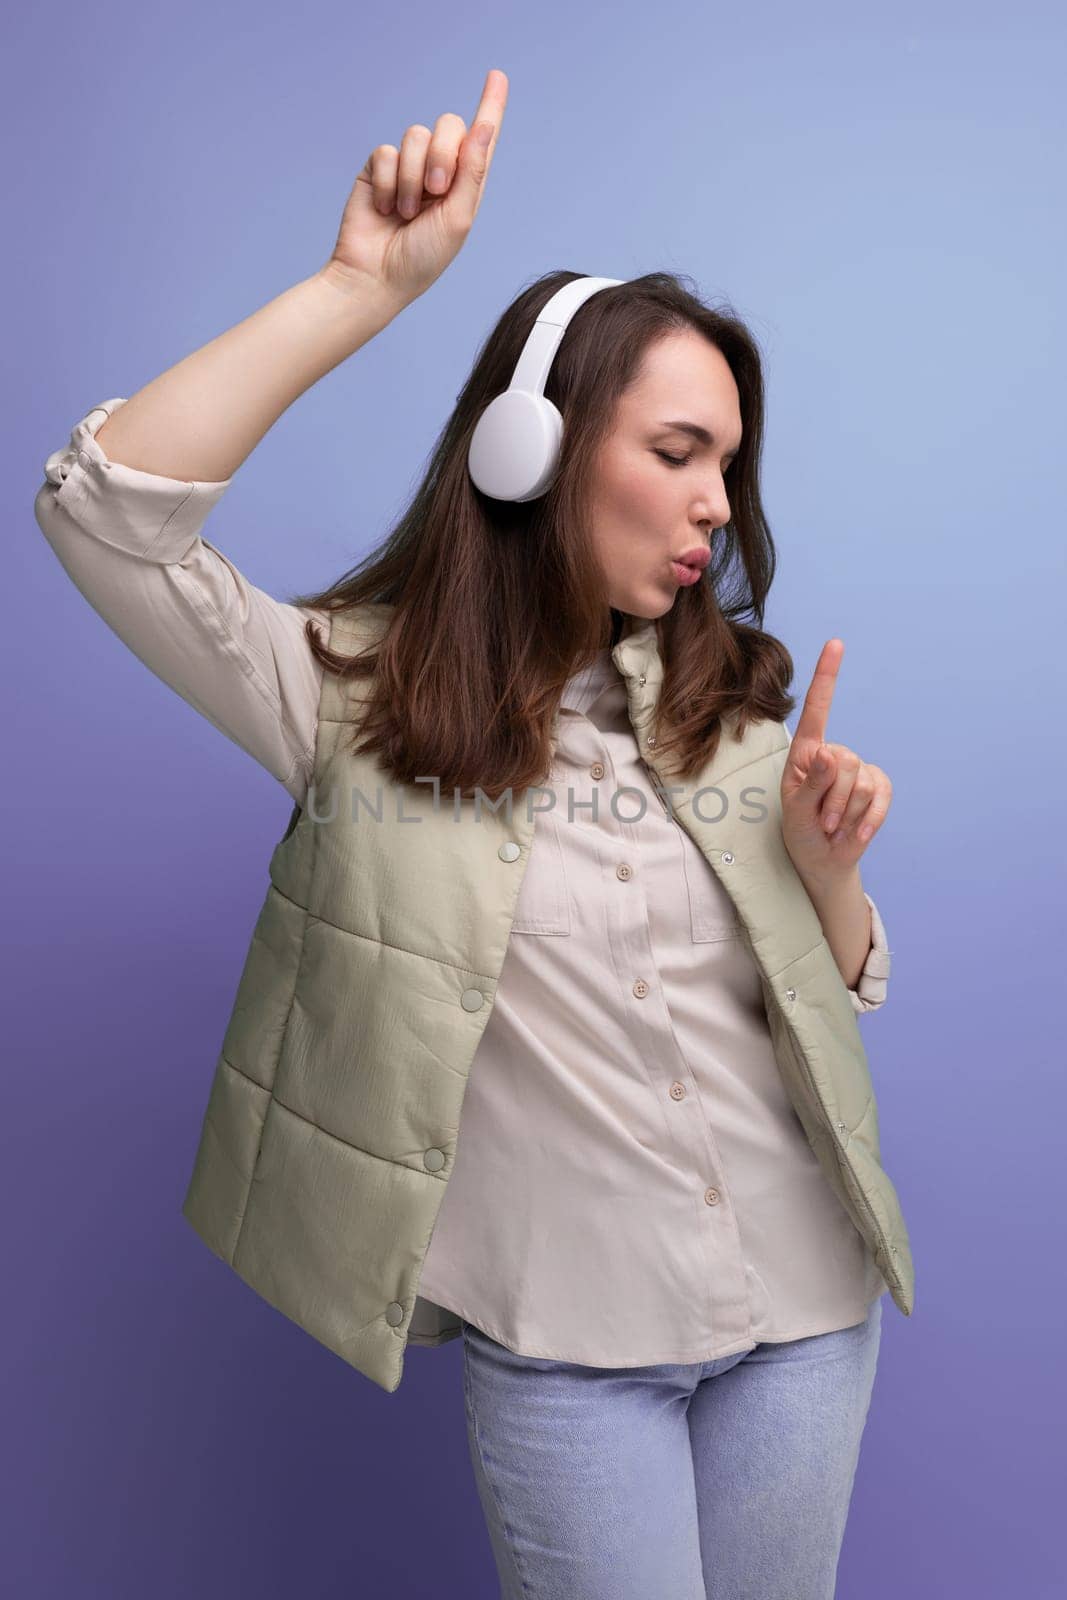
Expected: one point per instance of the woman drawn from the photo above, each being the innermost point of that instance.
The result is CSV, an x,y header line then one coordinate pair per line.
x,y
666,1231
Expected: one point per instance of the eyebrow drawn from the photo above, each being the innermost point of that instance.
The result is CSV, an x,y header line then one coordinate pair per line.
x,y
696,430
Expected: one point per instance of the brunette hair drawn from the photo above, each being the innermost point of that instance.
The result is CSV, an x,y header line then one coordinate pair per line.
x,y
498,602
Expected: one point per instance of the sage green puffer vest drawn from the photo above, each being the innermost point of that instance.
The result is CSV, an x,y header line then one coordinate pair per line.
x,y
332,1122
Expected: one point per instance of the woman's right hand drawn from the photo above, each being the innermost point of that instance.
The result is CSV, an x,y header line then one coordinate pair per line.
x,y
400,229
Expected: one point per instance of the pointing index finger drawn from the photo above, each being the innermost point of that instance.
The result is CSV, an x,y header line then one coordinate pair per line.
x,y
816,709
494,99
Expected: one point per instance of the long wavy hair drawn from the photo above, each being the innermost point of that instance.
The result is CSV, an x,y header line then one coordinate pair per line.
x,y
497,603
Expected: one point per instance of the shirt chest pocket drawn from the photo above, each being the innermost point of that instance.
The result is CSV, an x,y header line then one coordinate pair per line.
x,y
543,905
712,914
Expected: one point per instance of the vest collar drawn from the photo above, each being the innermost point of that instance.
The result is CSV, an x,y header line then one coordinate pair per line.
x,y
634,660
637,656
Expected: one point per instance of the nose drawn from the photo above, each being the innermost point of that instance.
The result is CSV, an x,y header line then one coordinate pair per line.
x,y
714,506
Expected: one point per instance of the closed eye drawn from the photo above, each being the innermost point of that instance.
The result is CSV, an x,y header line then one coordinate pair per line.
x,y
683,461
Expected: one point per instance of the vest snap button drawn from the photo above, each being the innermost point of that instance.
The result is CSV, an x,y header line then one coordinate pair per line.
x,y
472,999
651,739
641,679
727,857
394,1313
509,851
790,994
433,1160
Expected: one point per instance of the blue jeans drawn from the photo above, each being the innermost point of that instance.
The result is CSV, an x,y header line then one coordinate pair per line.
x,y
712,1480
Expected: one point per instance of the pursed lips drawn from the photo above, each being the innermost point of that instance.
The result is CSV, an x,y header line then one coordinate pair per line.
x,y
698,557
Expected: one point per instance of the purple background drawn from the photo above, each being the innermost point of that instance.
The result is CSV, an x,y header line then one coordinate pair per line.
x,y
883,198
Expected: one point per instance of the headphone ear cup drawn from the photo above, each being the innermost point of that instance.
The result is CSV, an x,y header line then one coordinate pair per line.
x,y
514,450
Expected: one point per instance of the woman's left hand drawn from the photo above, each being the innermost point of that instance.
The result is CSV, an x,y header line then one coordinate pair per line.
x,y
831,812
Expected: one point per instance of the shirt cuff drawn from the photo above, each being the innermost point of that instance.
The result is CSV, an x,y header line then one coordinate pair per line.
x,y
870,991
140,512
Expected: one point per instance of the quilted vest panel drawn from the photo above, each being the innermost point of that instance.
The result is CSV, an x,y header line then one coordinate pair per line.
x,y
334,1109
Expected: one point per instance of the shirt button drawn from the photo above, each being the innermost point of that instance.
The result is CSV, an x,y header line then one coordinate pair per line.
x,y
597,769
624,871
640,988
677,1091
509,851
711,1196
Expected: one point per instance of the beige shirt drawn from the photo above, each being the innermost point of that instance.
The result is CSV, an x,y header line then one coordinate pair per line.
x,y
631,1184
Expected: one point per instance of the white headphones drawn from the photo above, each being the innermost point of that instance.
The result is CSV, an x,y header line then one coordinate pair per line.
x,y
514,451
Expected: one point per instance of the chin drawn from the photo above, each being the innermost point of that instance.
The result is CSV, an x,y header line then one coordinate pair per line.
x,y
647,607
647,604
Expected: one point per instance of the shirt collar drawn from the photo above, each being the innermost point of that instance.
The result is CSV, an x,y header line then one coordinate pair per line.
x,y
582,688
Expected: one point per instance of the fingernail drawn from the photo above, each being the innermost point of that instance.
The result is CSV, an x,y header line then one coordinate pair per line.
x,y
831,820
436,179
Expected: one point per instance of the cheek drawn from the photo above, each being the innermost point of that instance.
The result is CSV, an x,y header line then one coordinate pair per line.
x,y
639,501
636,508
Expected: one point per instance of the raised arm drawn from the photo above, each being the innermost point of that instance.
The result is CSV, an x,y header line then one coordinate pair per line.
x,y
406,218
199,420
122,506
